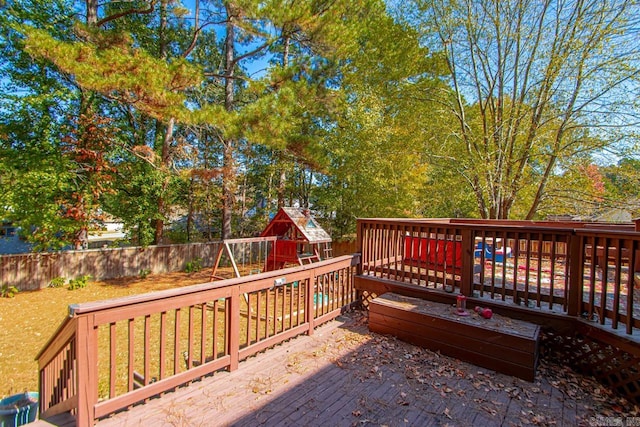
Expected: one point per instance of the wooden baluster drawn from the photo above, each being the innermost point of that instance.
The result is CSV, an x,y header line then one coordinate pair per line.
x,y
267,323
203,333
163,345
112,360
605,280
190,339
276,292
552,281
214,338
283,309
147,345
176,343
248,334
131,348
541,241
615,315
632,248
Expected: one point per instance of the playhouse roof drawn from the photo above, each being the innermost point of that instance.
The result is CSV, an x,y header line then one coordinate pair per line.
x,y
302,221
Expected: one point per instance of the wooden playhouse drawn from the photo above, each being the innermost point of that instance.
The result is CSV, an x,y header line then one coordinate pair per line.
x,y
300,239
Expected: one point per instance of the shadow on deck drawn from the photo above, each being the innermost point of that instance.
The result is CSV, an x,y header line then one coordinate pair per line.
x,y
344,375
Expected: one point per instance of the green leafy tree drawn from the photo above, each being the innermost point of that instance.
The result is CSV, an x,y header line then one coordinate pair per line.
x,y
274,110
531,80
134,58
376,146
37,104
194,128
622,184
375,172
112,55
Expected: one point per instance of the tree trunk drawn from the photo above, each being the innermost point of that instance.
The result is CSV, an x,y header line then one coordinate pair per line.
x,y
228,154
92,12
165,158
165,166
282,183
541,188
191,209
281,159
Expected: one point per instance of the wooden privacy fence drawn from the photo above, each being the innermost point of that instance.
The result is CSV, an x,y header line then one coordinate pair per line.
x,y
565,268
344,247
109,355
36,270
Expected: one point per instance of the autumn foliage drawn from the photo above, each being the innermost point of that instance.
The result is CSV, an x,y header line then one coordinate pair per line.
x,y
86,146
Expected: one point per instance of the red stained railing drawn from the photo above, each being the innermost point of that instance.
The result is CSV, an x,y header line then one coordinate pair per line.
x,y
109,355
539,266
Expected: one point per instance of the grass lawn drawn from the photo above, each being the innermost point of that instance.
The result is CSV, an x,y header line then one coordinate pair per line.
x,y
29,319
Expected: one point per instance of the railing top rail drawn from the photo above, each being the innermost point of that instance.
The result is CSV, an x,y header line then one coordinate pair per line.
x,y
608,233
543,223
65,330
93,307
514,225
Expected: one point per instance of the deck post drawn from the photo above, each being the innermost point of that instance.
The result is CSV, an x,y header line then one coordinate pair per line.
x,y
466,274
87,366
636,265
574,294
359,242
310,311
233,319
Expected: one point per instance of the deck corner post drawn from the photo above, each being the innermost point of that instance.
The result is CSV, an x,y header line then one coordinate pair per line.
x,y
87,376
466,276
575,274
359,237
359,246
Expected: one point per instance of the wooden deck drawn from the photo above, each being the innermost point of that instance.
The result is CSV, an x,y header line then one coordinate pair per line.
x,y
344,375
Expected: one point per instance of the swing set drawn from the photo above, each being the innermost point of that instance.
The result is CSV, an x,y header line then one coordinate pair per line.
x,y
246,256
292,237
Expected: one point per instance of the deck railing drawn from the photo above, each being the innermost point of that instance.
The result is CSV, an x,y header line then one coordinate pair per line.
x,y
578,269
109,355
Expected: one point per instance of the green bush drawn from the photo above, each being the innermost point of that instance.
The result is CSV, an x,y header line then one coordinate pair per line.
x,y
144,273
193,266
79,282
57,282
8,291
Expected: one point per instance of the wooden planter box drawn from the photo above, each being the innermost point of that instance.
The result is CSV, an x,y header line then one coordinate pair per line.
x,y
502,344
